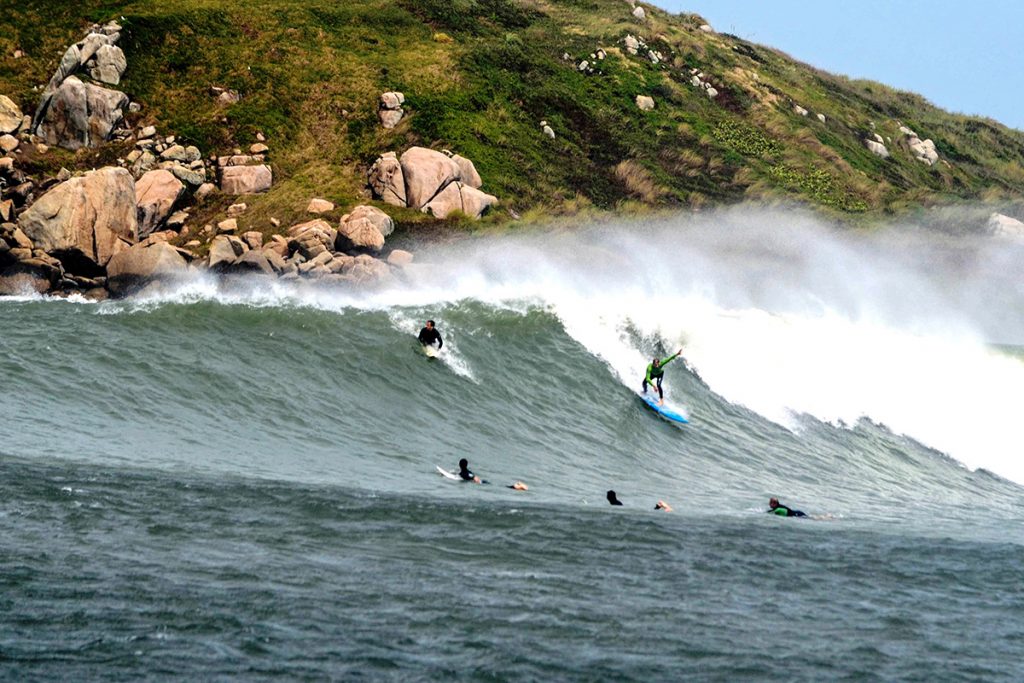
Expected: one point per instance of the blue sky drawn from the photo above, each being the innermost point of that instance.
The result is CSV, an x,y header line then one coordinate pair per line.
x,y
966,57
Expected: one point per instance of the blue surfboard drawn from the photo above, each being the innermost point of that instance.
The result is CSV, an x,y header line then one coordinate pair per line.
x,y
665,411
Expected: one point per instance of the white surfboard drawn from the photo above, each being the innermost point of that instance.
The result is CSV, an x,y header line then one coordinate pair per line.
x,y
431,351
446,474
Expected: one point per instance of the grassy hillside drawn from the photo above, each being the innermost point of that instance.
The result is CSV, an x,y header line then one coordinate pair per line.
x,y
480,75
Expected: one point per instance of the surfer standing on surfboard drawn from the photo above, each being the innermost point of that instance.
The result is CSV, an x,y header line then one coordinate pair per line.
x,y
656,373
429,336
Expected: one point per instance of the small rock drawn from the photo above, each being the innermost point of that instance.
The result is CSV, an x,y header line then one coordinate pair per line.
x,y
707,28
11,117
821,117
644,102
799,111
253,238
237,209
8,143
319,206
205,190
639,13
227,227
400,257
877,148
260,137
258,148
549,131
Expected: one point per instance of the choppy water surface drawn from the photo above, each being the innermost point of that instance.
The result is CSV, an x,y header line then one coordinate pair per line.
x,y
238,481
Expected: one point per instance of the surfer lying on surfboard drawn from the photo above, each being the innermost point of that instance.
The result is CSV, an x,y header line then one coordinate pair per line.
x,y
656,373
777,508
429,336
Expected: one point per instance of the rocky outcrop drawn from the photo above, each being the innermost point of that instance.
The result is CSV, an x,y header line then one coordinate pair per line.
x,y
434,182
142,264
246,179
923,150
74,114
390,109
81,115
10,116
156,193
86,220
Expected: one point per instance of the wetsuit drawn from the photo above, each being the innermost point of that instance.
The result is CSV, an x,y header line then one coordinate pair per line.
x,y
784,511
467,474
429,336
656,374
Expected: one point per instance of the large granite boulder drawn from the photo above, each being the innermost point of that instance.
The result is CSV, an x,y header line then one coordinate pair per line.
x,y
246,179
156,193
462,198
380,220
224,251
10,115
31,276
359,233
81,115
387,180
142,264
426,173
84,221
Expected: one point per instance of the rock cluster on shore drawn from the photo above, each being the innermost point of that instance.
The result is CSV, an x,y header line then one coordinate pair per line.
x,y
110,231
431,181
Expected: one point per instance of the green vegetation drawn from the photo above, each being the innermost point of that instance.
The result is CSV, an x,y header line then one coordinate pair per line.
x,y
480,75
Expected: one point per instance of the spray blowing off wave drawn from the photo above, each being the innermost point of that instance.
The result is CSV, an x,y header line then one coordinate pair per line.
x,y
776,312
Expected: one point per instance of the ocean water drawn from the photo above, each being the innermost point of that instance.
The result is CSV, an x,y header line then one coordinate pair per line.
x,y
237,480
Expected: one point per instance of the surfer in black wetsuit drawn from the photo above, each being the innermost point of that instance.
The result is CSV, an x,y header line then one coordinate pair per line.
x,y
612,500
429,336
777,508
465,474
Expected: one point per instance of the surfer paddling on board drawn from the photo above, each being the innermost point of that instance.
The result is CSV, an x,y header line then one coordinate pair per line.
x,y
429,336
465,474
777,508
656,373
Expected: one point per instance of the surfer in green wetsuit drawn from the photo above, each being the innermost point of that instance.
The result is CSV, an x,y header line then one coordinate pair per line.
x,y
656,373
777,508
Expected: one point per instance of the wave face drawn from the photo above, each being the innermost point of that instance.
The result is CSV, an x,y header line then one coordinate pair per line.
x,y
822,364
237,479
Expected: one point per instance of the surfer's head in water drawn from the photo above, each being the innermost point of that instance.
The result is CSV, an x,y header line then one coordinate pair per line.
x,y
430,324
773,503
662,505
612,500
